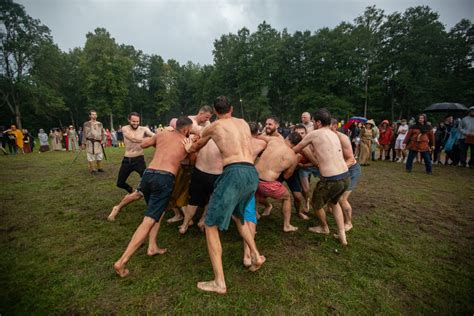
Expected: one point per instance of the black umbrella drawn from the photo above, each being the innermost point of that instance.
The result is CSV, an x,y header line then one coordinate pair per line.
x,y
445,107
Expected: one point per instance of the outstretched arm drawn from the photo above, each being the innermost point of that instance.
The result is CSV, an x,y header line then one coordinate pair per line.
x,y
205,137
303,143
151,141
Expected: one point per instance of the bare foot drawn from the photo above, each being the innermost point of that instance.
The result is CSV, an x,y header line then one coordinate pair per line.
x,y
120,270
348,227
211,286
175,219
257,263
115,211
319,230
267,210
290,228
302,215
201,225
342,241
156,251
247,262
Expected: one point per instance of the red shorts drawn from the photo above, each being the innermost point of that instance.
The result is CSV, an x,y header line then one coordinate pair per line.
x,y
273,189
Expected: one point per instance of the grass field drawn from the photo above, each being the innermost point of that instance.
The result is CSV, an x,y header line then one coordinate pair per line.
x,y
410,252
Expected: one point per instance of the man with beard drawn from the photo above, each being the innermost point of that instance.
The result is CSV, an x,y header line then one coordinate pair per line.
x,y
133,160
157,185
93,139
327,149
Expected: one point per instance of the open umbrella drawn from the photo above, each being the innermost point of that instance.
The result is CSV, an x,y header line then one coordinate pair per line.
x,y
354,119
445,107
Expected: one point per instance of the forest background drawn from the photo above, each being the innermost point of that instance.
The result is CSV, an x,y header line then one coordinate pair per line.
x,y
380,66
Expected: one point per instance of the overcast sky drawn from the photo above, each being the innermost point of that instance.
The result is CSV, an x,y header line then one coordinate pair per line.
x,y
185,30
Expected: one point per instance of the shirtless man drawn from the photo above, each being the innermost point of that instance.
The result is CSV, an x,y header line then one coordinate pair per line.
x,y
133,160
208,167
250,213
234,188
156,186
293,182
278,158
354,171
179,198
334,172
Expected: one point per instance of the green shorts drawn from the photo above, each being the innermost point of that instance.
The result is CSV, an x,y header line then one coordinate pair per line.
x,y
232,191
330,190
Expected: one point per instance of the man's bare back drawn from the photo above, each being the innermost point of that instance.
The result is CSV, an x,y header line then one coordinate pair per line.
x,y
209,159
169,151
347,152
258,146
232,137
276,158
327,149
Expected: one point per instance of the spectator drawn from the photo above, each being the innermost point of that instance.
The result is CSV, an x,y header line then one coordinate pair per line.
x,y
44,143
375,142
120,137
108,137
26,142
17,136
385,137
113,134
402,132
366,139
73,139
56,137
419,139
3,140
466,138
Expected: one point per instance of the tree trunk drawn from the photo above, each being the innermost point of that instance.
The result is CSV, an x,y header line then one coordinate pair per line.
x,y
111,121
366,90
18,116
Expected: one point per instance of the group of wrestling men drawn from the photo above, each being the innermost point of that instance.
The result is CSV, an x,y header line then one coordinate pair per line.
x,y
234,167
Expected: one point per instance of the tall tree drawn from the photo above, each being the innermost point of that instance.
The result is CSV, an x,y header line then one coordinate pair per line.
x,y
21,38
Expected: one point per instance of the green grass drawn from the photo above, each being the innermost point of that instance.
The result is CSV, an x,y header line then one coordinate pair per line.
x,y
411,250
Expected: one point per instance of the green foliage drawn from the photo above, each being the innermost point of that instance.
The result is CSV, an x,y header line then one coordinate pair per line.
x,y
382,65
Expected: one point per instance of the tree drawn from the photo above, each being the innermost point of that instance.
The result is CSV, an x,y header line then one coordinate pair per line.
x,y
106,71
21,38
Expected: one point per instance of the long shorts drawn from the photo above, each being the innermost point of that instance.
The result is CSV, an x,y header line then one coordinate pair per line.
x,y
355,172
95,157
129,165
156,186
330,190
232,191
293,182
250,212
399,143
180,194
201,187
273,189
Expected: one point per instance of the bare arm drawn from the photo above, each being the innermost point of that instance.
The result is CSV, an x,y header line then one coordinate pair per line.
x,y
205,138
309,155
151,141
289,172
148,132
127,133
303,143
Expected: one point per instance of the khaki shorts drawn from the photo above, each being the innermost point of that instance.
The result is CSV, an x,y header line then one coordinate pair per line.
x,y
329,191
180,195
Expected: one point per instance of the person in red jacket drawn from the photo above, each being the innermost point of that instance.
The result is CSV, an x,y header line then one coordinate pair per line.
x,y
419,139
385,139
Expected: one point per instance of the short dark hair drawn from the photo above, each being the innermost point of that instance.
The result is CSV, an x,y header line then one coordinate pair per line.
x,y
294,138
206,109
323,116
334,121
221,105
183,121
90,112
299,126
253,128
133,114
274,118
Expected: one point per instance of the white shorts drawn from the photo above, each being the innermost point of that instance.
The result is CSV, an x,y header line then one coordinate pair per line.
x,y
399,143
94,157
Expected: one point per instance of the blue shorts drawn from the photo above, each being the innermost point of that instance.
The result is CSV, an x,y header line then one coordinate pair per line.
x,y
232,191
156,187
355,172
250,212
305,172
